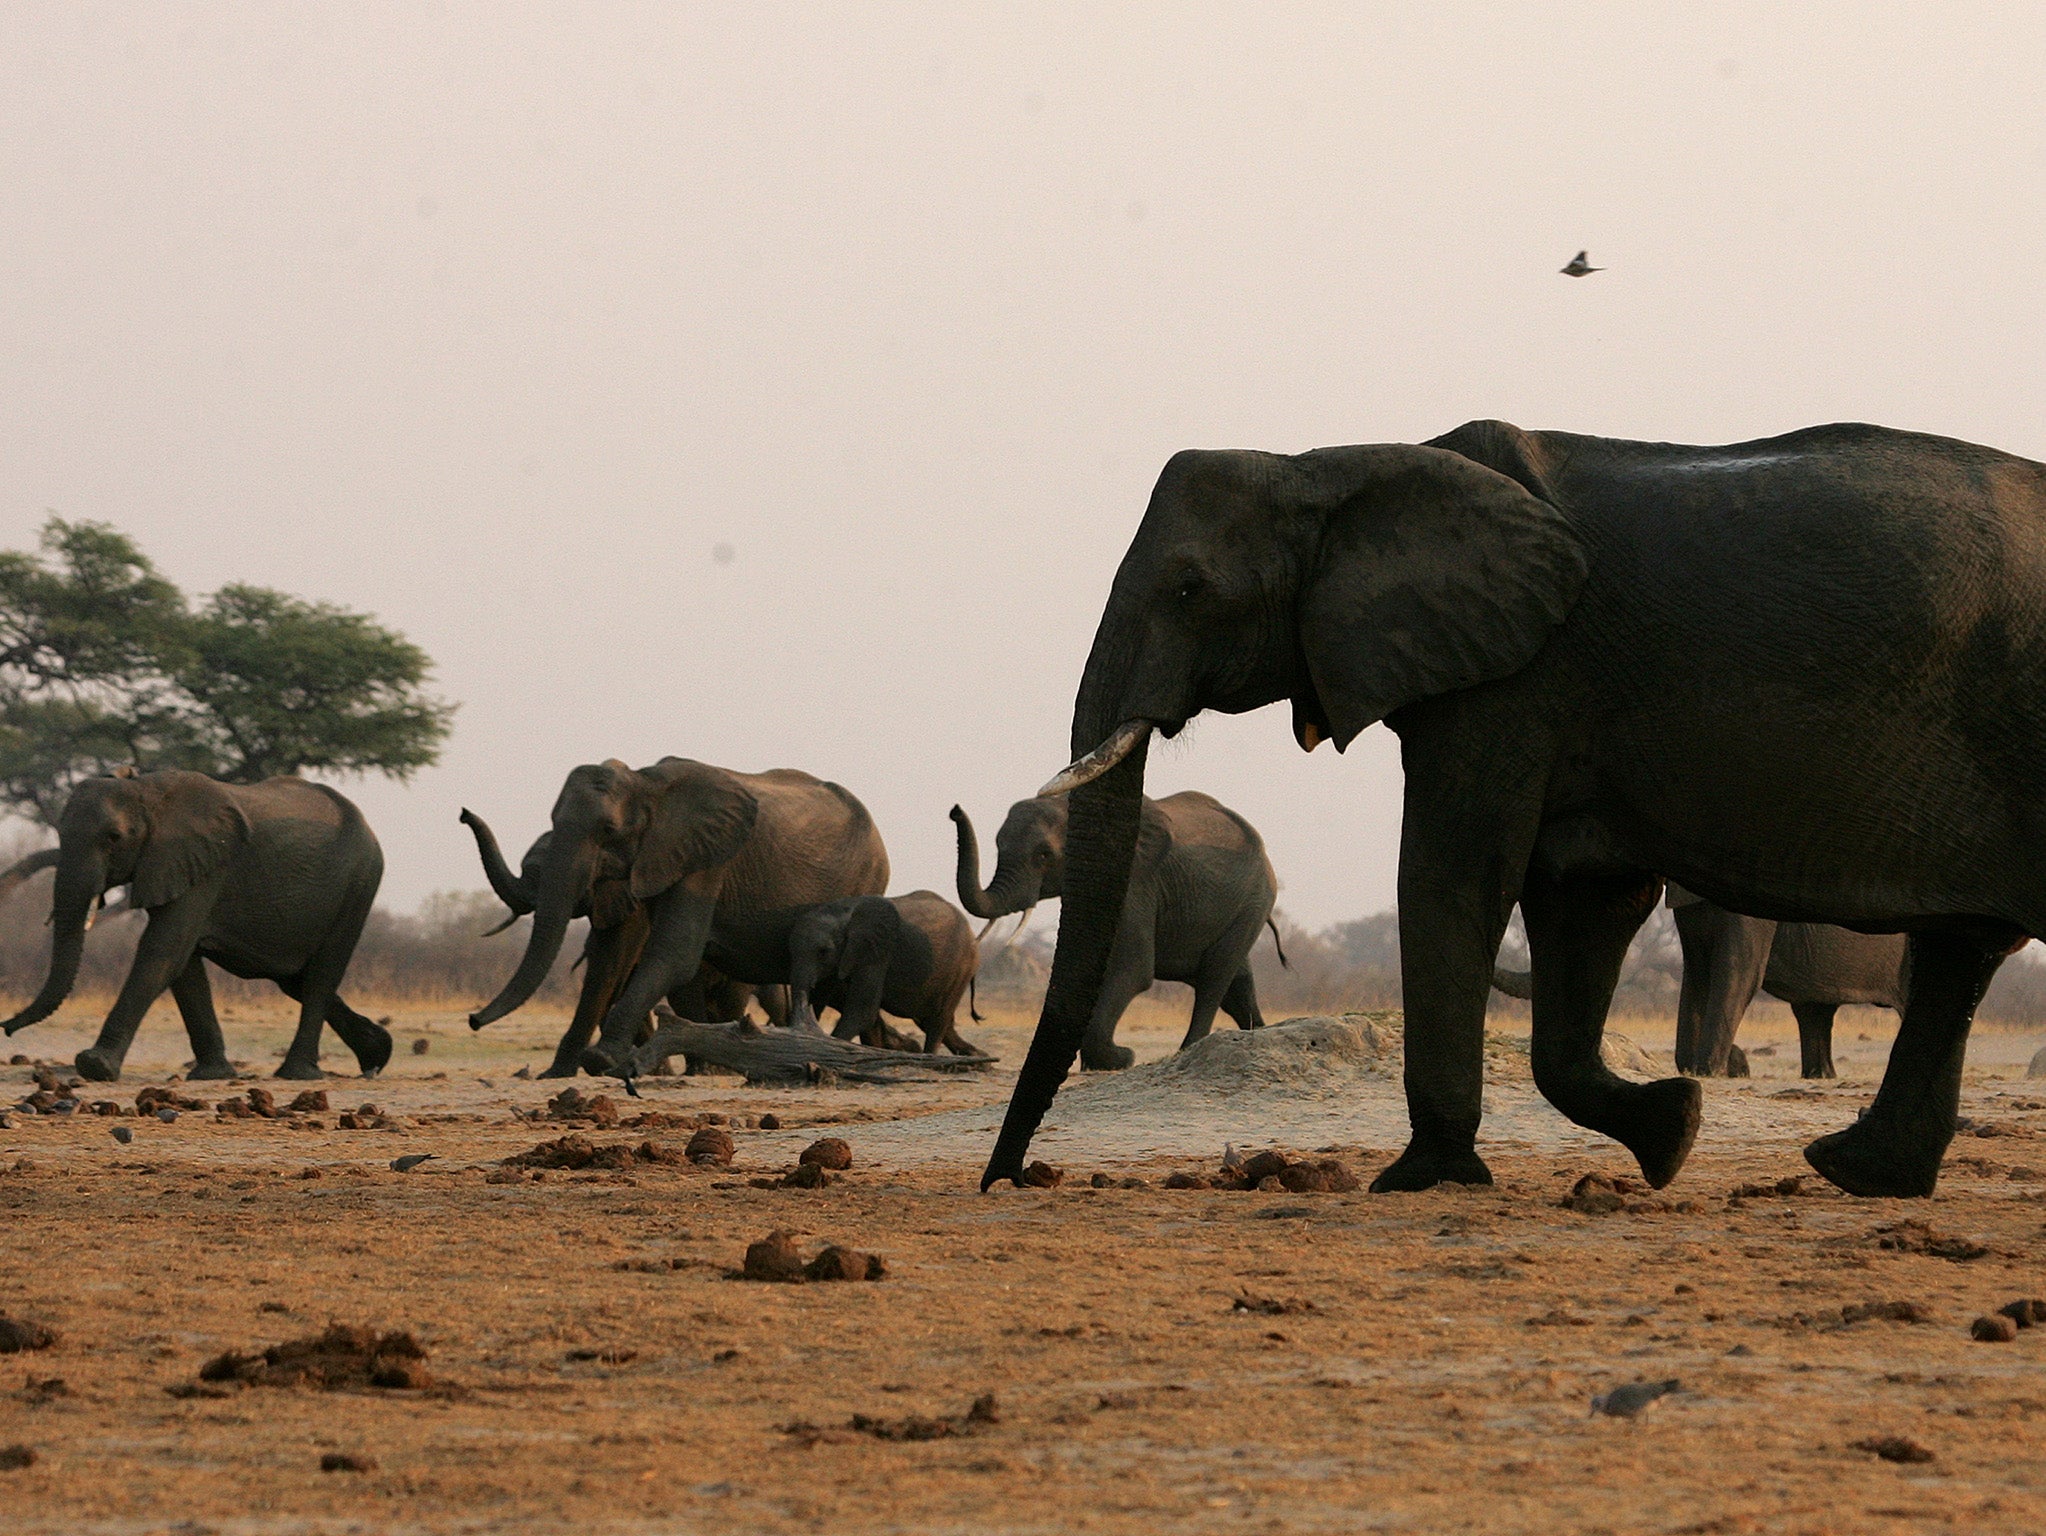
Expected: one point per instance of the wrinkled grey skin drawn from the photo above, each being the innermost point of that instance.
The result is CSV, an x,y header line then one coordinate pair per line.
x,y
1814,967
709,997
1802,676
1200,887
271,880
654,855
912,956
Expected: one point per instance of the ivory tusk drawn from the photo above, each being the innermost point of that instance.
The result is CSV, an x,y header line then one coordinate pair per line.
x,y
1122,741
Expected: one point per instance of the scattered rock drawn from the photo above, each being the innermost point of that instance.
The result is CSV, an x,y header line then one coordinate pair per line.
x,y
1633,1399
122,1134
711,1146
167,1116
16,1458
770,1122
1894,1448
1996,1329
18,1336
1886,1312
342,1357
347,1461
17,1060
1041,1175
1914,1236
832,1153
1271,1306
2026,1314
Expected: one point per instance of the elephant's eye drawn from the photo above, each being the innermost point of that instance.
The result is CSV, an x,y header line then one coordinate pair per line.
x,y
1188,589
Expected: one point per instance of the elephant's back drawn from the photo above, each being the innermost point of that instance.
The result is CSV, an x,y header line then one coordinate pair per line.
x,y
812,841
935,917
303,823
1198,820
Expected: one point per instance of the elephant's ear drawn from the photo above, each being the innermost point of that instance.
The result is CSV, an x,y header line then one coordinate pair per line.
x,y
870,932
700,818
195,826
1434,574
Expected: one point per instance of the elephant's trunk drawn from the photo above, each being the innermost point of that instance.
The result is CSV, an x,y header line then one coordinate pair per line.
x,y
1518,984
561,882
1101,841
79,885
511,889
1006,895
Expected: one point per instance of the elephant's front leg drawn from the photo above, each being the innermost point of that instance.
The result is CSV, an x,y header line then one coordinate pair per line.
x,y
859,1006
166,947
1896,1147
1578,929
193,992
607,955
679,927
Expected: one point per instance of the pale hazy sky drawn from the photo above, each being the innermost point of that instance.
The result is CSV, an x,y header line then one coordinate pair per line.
x,y
495,319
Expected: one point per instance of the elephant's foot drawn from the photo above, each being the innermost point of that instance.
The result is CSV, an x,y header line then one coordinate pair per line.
x,y
298,1070
561,1069
374,1053
599,1062
1657,1122
211,1071
1423,1166
1737,1062
98,1066
1867,1160
1106,1058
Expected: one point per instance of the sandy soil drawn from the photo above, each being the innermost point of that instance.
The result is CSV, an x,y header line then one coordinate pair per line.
x,y
1425,1362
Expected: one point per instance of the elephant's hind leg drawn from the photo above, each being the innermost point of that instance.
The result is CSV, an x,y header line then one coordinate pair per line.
x,y
1815,1037
1208,994
1578,929
193,992
1895,1148
1240,1001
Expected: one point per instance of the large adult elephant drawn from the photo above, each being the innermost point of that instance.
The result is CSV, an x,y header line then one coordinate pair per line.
x,y
1806,677
271,880
655,856
1199,889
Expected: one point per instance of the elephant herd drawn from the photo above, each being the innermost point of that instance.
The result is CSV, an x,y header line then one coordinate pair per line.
x,y
1805,677
702,887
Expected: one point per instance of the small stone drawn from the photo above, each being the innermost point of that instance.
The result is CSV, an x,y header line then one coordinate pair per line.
x,y
1270,1184
832,1152
1042,1175
167,1116
1101,1181
17,1060
421,1046
2026,1314
18,1336
770,1122
1900,1448
347,1461
122,1134
1997,1329
711,1146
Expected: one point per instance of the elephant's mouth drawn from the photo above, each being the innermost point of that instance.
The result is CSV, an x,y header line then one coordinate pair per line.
x,y
1310,720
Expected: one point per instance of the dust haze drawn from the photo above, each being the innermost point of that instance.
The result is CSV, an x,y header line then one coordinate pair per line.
x,y
780,387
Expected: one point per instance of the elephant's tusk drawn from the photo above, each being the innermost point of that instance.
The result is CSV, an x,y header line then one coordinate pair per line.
x,y
500,928
986,928
1122,741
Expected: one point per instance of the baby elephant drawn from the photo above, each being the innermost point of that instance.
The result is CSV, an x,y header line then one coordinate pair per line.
x,y
912,956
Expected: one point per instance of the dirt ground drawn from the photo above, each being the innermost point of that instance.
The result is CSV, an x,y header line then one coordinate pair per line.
x,y
1160,1360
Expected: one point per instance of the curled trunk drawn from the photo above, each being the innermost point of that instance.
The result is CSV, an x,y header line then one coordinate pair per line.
x,y
511,889
561,883
1518,984
1101,841
990,902
78,887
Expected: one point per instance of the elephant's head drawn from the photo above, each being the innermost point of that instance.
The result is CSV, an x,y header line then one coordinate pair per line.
x,y
835,941
1350,581
1030,862
161,834
621,836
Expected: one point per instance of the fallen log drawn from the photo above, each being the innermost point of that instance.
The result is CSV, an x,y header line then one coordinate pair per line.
x,y
775,1055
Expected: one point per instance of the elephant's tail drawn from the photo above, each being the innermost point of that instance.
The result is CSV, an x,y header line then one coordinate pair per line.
x,y
973,1000
1281,948
1513,983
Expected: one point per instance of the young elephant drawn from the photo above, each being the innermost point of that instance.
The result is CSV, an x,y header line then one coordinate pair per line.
x,y
912,956
269,880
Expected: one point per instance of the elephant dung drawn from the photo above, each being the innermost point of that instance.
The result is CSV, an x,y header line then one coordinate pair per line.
x,y
831,1152
347,1461
1899,1448
343,1356
2026,1314
839,1263
570,1104
711,1146
774,1258
16,1458
150,1100
1995,1329
17,1336
1042,1175
1913,1236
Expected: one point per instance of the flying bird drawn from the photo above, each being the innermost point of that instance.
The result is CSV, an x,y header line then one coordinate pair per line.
x,y
1579,267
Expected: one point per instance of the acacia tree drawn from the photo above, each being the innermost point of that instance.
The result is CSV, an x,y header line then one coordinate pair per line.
x,y
104,663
